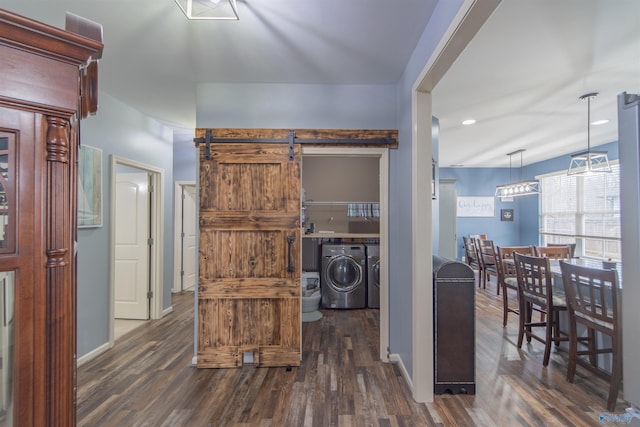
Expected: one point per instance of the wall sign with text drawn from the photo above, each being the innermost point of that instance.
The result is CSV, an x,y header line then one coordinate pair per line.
x,y
476,206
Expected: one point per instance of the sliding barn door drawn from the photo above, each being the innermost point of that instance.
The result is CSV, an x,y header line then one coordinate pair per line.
x,y
249,256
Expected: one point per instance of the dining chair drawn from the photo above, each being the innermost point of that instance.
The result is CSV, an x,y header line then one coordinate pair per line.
x,y
471,256
507,279
535,293
489,261
553,252
572,247
593,297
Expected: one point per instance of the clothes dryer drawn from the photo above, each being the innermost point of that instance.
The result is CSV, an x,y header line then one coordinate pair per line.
x,y
343,276
373,276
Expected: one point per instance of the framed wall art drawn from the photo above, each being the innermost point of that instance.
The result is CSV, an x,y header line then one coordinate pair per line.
x,y
89,187
476,206
506,214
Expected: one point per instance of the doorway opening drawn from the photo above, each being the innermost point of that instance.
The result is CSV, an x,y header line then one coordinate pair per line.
x,y
383,155
185,236
135,245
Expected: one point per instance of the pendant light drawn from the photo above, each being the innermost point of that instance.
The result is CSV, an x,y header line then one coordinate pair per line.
x,y
209,9
589,161
521,188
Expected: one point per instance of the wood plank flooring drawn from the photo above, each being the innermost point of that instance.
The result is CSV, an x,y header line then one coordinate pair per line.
x,y
147,380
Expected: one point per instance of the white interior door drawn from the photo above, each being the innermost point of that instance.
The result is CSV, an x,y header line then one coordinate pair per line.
x,y
188,237
131,279
448,229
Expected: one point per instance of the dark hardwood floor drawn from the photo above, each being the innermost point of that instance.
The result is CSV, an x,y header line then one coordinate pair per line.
x,y
147,380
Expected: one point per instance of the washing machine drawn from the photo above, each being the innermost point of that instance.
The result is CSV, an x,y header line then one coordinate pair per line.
x,y
343,276
373,276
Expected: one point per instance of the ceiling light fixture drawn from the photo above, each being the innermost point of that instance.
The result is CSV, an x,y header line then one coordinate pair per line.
x,y
589,161
521,188
209,9
469,122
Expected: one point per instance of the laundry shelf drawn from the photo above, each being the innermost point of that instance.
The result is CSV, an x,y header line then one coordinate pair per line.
x,y
341,236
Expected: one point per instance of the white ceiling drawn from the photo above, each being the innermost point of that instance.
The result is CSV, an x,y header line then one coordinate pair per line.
x,y
523,73
520,77
154,57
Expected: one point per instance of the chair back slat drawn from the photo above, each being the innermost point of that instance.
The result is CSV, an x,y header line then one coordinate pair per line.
x,y
534,277
488,252
554,252
470,249
592,292
506,253
572,247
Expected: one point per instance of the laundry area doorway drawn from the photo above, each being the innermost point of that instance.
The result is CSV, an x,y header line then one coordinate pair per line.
x,y
344,242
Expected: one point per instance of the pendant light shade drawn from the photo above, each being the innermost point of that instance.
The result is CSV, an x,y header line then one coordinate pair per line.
x,y
520,188
589,161
209,9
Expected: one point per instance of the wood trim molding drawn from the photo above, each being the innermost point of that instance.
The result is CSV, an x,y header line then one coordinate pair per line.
x,y
324,136
36,37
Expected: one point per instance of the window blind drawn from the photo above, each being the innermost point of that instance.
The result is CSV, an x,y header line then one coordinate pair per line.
x,y
582,209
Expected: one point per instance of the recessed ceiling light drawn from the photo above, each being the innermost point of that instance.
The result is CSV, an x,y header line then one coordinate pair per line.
x,y
600,122
468,122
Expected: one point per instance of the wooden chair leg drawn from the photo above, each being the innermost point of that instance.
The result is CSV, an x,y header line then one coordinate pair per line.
x,y
521,322
529,310
591,344
573,350
505,307
556,328
616,374
548,337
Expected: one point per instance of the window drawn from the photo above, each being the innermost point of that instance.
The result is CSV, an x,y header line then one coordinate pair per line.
x,y
582,209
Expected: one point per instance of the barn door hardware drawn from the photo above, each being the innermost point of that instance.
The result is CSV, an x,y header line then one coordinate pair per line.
x,y
290,267
351,138
292,135
208,138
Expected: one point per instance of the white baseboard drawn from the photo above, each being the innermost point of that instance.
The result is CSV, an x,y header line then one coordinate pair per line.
x,y
395,358
167,310
93,354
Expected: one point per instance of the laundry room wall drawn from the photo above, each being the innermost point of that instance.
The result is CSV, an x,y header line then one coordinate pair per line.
x,y
339,181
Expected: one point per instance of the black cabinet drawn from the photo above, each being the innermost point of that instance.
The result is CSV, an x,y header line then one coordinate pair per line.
x,y
454,327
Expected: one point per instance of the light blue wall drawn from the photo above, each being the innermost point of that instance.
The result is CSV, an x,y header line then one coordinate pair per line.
x,y
184,157
303,106
400,206
120,130
482,182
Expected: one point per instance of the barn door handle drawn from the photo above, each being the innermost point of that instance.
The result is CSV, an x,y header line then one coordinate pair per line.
x,y
290,268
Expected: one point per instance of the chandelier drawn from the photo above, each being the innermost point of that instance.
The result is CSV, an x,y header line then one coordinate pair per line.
x,y
589,161
520,188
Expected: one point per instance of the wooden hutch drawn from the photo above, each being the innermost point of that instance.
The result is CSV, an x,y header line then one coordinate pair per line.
x,y
47,83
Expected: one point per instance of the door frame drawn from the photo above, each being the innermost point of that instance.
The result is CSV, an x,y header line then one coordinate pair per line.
x,y
156,179
177,230
470,17
383,155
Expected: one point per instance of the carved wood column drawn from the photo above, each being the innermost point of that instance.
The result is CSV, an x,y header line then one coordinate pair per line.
x,y
60,291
